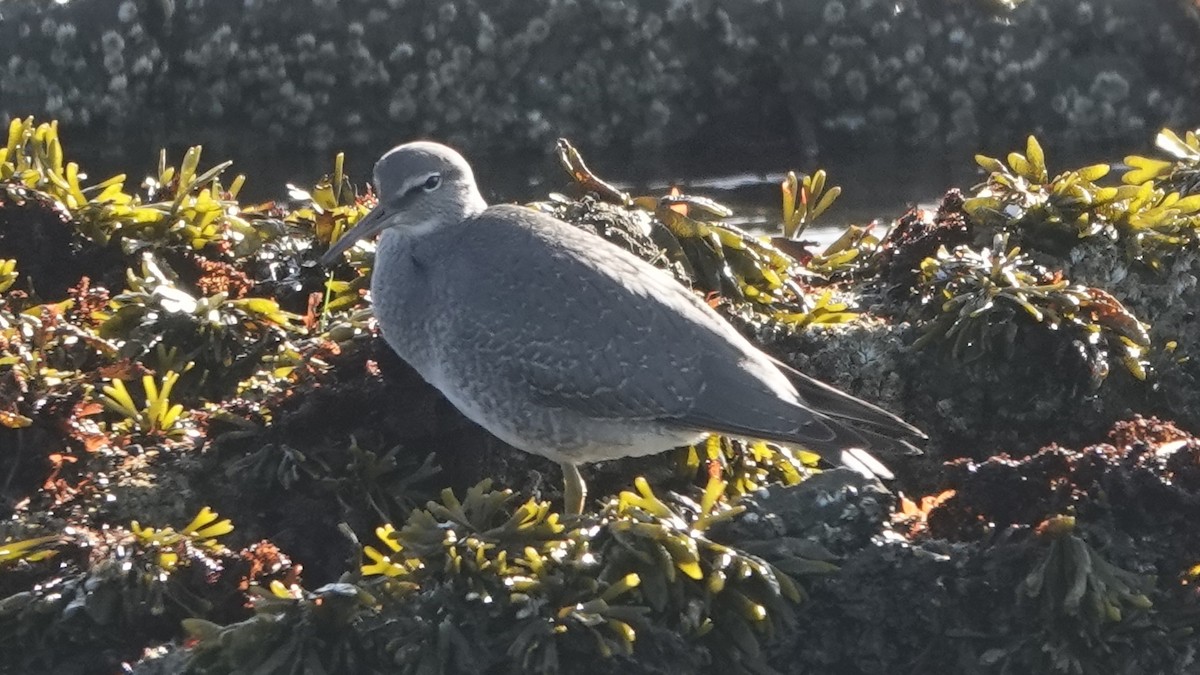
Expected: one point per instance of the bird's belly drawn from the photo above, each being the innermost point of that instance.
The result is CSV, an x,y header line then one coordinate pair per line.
x,y
563,435
624,441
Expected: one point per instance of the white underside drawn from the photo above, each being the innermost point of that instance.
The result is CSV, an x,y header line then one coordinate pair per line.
x,y
593,441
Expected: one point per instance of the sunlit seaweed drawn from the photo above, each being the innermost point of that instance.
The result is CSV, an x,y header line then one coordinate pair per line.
x,y
1181,173
138,578
494,581
181,205
744,466
158,416
526,589
1021,198
723,260
978,301
202,533
804,200
194,323
32,550
223,338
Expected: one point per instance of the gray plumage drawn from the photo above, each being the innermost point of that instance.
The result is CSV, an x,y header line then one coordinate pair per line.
x,y
566,346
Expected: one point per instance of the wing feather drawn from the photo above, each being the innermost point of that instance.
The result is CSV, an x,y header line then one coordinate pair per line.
x,y
635,343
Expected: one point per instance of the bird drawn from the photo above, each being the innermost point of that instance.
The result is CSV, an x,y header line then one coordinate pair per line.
x,y
565,345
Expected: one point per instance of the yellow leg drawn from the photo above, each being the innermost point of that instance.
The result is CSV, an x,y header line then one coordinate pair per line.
x,y
574,491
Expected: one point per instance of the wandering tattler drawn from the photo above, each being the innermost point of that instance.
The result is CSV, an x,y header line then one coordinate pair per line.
x,y
564,345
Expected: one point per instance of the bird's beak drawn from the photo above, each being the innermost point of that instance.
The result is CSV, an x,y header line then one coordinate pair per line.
x,y
371,224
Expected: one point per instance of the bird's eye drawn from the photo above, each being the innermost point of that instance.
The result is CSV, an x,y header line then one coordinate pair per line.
x,y
432,183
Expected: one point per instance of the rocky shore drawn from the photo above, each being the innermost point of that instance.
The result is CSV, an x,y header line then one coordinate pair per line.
x,y
213,464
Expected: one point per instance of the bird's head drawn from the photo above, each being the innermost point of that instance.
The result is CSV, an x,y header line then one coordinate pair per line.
x,y
421,186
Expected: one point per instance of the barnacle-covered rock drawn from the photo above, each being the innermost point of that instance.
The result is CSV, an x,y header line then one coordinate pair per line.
x,y
312,73
1035,590
645,584
1137,242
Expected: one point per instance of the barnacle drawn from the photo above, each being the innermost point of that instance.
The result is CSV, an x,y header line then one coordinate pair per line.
x,y
682,72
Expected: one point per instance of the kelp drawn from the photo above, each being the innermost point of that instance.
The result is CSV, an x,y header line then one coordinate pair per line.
x,y
978,301
1147,219
733,265
525,588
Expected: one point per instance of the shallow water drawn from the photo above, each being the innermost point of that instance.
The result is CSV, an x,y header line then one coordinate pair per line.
x,y
874,186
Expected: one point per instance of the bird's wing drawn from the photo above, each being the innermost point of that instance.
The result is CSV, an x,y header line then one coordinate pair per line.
x,y
634,343
838,404
598,331
730,405
734,404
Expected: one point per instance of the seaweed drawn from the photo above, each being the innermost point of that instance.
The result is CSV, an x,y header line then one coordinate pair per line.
x,y
981,299
1180,173
1148,220
526,589
202,359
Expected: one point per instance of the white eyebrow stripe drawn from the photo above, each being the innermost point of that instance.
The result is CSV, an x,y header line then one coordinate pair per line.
x,y
418,182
